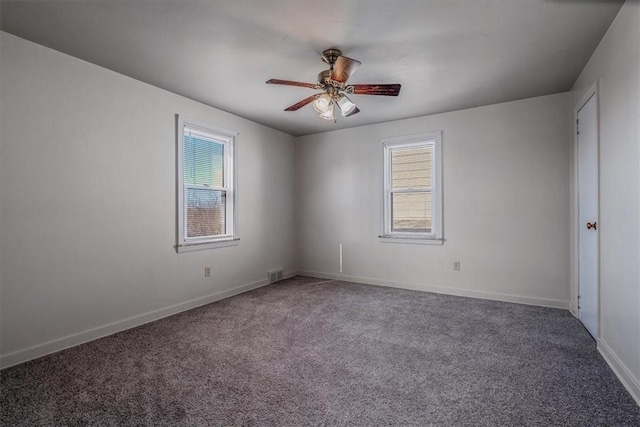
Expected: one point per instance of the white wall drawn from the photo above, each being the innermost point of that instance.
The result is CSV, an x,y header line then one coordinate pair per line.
x,y
616,66
506,204
88,196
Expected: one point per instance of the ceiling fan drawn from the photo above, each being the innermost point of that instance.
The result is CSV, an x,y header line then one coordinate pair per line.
x,y
333,84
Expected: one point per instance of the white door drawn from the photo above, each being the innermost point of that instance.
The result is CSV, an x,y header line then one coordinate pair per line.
x,y
588,215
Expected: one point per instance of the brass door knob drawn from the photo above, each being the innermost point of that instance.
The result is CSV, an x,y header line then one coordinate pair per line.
x,y
593,225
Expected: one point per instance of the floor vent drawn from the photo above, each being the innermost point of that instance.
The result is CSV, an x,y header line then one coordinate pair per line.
x,y
274,275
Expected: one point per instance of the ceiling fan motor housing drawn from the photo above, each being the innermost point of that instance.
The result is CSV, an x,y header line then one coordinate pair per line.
x,y
324,77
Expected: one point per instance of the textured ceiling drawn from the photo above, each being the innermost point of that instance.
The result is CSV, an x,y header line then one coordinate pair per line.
x,y
447,54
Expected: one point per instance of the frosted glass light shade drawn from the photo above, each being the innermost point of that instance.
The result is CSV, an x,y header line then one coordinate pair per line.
x,y
346,106
323,103
328,115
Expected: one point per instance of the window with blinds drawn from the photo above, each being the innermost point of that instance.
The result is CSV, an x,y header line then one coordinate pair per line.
x,y
205,188
411,190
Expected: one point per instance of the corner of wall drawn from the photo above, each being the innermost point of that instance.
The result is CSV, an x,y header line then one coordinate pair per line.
x,y
631,383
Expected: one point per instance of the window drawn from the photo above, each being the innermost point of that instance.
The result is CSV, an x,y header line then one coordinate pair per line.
x,y
206,186
413,189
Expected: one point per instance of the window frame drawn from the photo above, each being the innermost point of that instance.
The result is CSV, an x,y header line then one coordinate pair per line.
x,y
229,140
435,236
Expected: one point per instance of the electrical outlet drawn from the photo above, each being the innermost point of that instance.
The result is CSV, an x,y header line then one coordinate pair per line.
x,y
456,265
207,272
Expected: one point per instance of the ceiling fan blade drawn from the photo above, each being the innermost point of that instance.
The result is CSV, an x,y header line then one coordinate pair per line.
x,y
343,68
387,90
355,111
292,83
302,103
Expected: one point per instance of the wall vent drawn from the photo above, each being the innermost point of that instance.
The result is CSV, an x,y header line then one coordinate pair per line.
x,y
274,275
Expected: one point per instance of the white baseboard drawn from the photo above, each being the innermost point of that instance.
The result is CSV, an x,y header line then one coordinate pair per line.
x,y
573,310
620,369
289,274
73,340
543,302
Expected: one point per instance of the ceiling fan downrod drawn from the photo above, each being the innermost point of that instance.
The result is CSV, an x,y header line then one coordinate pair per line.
x,y
330,56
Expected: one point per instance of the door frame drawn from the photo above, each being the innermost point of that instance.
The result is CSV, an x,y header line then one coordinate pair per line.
x,y
575,207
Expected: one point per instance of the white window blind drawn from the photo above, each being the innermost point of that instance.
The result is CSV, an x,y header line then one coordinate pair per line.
x,y
411,177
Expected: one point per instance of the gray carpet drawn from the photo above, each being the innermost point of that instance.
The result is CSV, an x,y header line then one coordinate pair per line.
x,y
311,352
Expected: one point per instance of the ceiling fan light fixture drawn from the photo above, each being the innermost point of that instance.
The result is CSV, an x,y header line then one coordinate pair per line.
x,y
323,103
328,115
346,106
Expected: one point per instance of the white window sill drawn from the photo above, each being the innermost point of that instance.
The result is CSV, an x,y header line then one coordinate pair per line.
x,y
412,240
201,246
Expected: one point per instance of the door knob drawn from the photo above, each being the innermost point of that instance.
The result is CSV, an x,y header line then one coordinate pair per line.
x,y
593,225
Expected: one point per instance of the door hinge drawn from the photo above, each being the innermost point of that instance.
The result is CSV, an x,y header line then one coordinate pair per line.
x,y
578,126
